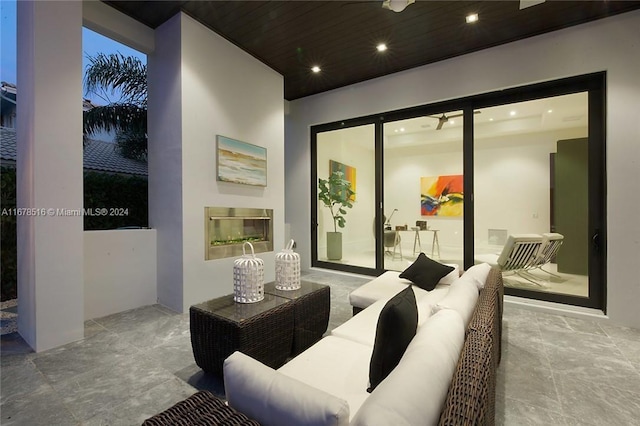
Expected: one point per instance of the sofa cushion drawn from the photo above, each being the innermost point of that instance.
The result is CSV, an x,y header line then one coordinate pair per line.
x,y
478,274
462,298
414,392
425,272
383,287
362,327
275,399
337,366
396,327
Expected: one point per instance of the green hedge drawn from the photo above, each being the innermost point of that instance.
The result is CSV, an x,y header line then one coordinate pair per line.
x,y
8,235
124,198
114,201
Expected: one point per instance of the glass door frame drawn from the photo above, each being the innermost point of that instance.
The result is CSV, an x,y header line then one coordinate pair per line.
x,y
345,124
594,84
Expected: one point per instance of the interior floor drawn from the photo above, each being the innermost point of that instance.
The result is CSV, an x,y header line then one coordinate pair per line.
x,y
134,364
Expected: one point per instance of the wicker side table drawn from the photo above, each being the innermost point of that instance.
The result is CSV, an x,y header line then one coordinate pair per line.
x,y
262,330
311,304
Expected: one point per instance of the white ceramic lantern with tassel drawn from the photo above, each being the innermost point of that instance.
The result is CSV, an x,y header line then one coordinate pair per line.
x,y
288,269
248,277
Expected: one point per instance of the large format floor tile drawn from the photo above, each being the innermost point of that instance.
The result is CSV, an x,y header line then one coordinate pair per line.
x,y
555,370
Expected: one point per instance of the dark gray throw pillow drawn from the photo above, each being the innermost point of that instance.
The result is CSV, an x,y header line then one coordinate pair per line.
x,y
397,325
425,272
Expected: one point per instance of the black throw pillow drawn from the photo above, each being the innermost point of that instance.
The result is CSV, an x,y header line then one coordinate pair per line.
x,y
425,272
397,325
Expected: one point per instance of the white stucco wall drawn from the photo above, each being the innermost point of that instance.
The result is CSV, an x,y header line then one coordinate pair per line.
x,y
49,173
610,44
203,86
119,271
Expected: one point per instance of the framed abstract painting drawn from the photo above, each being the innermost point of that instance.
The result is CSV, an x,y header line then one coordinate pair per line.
x,y
441,195
348,173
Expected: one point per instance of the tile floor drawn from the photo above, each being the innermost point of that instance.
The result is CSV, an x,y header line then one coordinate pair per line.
x,y
555,370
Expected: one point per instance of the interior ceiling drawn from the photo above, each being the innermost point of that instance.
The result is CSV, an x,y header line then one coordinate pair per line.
x,y
341,36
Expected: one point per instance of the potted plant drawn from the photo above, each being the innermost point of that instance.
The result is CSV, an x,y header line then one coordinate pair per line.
x,y
336,194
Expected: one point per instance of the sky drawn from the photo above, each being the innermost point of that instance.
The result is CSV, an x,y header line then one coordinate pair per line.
x,y
92,43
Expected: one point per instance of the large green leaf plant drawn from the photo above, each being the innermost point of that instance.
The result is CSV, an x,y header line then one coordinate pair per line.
x,y
336,194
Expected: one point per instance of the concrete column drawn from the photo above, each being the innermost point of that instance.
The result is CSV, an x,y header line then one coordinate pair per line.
x,y
49,167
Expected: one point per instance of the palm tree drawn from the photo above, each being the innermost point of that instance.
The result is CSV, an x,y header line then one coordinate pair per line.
x,y
126,77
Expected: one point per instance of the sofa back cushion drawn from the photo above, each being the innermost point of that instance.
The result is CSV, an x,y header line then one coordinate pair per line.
x,y
396,327
274,399
478,274
415,391
462,298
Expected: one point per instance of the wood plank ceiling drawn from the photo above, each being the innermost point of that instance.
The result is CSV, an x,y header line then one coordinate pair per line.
x,y
341,36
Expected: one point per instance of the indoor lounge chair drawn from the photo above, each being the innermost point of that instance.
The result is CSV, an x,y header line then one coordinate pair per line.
x,y
551,243
519,254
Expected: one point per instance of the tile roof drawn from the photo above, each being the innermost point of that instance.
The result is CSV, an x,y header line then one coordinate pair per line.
x,y
98,155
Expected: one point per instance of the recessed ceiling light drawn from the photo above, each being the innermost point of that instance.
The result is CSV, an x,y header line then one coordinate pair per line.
x,y
550,111
471,18
491,119
381,47
315,68
452,121
402,129
512,113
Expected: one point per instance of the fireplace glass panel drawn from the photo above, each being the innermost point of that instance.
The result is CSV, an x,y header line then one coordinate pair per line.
x,y
227,229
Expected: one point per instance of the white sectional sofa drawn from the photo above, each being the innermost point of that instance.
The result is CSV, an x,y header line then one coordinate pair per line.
x,y
441,378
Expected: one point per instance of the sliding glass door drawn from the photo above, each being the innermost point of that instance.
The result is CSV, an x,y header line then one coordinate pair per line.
x,y
344,226
423,189
463,180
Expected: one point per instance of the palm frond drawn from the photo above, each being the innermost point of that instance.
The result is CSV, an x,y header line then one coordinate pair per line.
x,y
115,117
116,72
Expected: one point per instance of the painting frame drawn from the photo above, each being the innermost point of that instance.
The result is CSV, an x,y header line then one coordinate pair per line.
x,y
348,173
240,162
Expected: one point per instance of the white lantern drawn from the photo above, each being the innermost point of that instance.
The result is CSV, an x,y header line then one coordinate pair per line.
x,y
248,277
288,269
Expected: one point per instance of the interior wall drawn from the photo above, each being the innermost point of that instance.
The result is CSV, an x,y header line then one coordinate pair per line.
x,y
198,97
596,46
119,271
403,168
512,182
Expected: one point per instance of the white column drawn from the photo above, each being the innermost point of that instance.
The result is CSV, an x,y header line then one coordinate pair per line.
x,y
49,167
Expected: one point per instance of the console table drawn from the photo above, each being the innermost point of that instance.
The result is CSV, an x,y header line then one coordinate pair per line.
x,y
262,330
311,306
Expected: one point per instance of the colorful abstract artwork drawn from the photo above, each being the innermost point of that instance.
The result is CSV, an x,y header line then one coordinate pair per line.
x,y
441,195
348,173
241,162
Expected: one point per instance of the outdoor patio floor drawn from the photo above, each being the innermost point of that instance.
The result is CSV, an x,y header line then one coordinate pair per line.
x,y
555,370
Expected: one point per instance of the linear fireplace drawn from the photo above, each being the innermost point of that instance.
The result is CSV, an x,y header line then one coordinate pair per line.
x,y
227,228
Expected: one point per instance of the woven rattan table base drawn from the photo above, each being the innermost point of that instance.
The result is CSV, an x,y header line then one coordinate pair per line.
x,y
312,303
202,408
220,327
